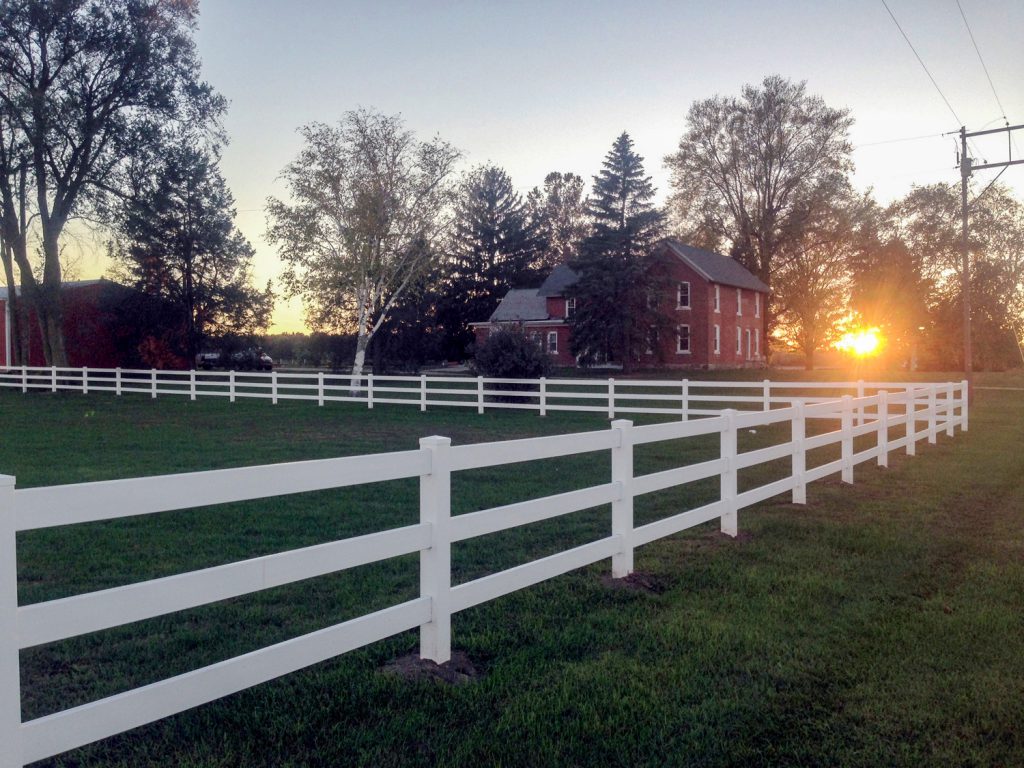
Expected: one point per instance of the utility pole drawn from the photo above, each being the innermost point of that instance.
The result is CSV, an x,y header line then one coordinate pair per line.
x,y
966,168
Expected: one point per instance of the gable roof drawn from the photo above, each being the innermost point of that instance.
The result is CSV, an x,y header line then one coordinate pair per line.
x,y
561,277
520,304
715,267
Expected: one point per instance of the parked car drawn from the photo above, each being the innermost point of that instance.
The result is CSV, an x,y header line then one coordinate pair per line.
x,y
252,359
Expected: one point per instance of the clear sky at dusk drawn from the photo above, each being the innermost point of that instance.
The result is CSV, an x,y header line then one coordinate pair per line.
x,y
541,86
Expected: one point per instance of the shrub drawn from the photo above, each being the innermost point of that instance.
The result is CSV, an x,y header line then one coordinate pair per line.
x,y
509,353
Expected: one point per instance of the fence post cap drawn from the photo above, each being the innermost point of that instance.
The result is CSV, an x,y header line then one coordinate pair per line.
x,y
7,481
621,424
435,441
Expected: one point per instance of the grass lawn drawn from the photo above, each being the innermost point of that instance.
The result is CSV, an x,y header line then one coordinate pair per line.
x,y
881,624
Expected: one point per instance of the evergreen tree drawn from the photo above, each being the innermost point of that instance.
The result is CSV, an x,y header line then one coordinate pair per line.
x,y
494,248
559,212
176,240
618,289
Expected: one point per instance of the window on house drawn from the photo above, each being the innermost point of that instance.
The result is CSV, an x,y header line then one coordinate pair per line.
x,y
757,304
683,296
739,341
757,343
718,339
718,299
739,301
553,342
570,307
683,339
748,344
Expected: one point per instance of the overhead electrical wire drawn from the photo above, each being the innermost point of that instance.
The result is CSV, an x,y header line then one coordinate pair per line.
x,y
921,62
977,50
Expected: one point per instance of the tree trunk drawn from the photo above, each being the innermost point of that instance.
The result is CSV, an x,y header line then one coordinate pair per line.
x,y
362,342
809,359
48,305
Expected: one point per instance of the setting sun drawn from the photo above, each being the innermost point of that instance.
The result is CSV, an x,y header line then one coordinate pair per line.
x,y
862,343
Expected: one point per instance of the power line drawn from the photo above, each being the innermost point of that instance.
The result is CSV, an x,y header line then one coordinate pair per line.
x,y
896,141
921,62
981,59
999,103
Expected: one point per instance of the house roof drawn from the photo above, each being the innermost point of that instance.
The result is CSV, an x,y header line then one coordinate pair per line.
x,y
561,277
520,304
716,268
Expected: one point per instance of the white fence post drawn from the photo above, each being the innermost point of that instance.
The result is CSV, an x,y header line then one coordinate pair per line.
x,y
192,384
883,428
933,421
117,381
860,408
766,395
622,509
10,671
53,378
152,382
730,523
436,562
685,410
911,395
479,394
798,434
24,379
423,392
847,439
611,398
963,405
950,412
85,380
231,386
320,388
273,387
369,391
543,396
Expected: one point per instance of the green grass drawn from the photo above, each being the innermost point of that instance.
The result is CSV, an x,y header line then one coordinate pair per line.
x,y
882,624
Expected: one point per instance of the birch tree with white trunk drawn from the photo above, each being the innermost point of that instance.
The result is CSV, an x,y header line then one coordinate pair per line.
x,y
368,202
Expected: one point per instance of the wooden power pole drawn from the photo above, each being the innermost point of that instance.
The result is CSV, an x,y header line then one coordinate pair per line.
x,y
966,168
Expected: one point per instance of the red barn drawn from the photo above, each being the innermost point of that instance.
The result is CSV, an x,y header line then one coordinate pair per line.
x,y
106,325
716,308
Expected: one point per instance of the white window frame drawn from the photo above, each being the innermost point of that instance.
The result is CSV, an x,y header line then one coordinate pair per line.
x,y
757,304
679,340
757,343
679,295
748,345
570,308
739,302
652,340
718,339
739,340
552,345
718,298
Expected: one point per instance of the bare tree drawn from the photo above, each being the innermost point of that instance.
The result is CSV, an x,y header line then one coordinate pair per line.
x,y
368,202
86,84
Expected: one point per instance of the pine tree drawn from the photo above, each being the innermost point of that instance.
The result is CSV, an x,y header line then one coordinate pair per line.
x,y
617,290
559,212
494,248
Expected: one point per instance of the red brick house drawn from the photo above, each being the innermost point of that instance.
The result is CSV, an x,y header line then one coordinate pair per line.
x,y
716,308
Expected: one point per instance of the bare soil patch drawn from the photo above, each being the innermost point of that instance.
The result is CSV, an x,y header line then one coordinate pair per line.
x,y
457,671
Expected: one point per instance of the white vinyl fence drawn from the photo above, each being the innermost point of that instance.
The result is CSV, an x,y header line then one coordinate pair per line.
x,y
890,421
684,398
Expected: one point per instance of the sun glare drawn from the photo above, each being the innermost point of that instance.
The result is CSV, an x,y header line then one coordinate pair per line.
x,y
861,343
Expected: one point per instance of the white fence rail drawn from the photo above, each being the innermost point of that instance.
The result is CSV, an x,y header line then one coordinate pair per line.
x,y
616,397
918,410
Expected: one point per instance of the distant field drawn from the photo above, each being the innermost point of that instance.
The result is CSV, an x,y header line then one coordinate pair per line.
x,y
882,624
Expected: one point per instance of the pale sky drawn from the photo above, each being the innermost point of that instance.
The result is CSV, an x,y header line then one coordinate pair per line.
x,y
537,86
